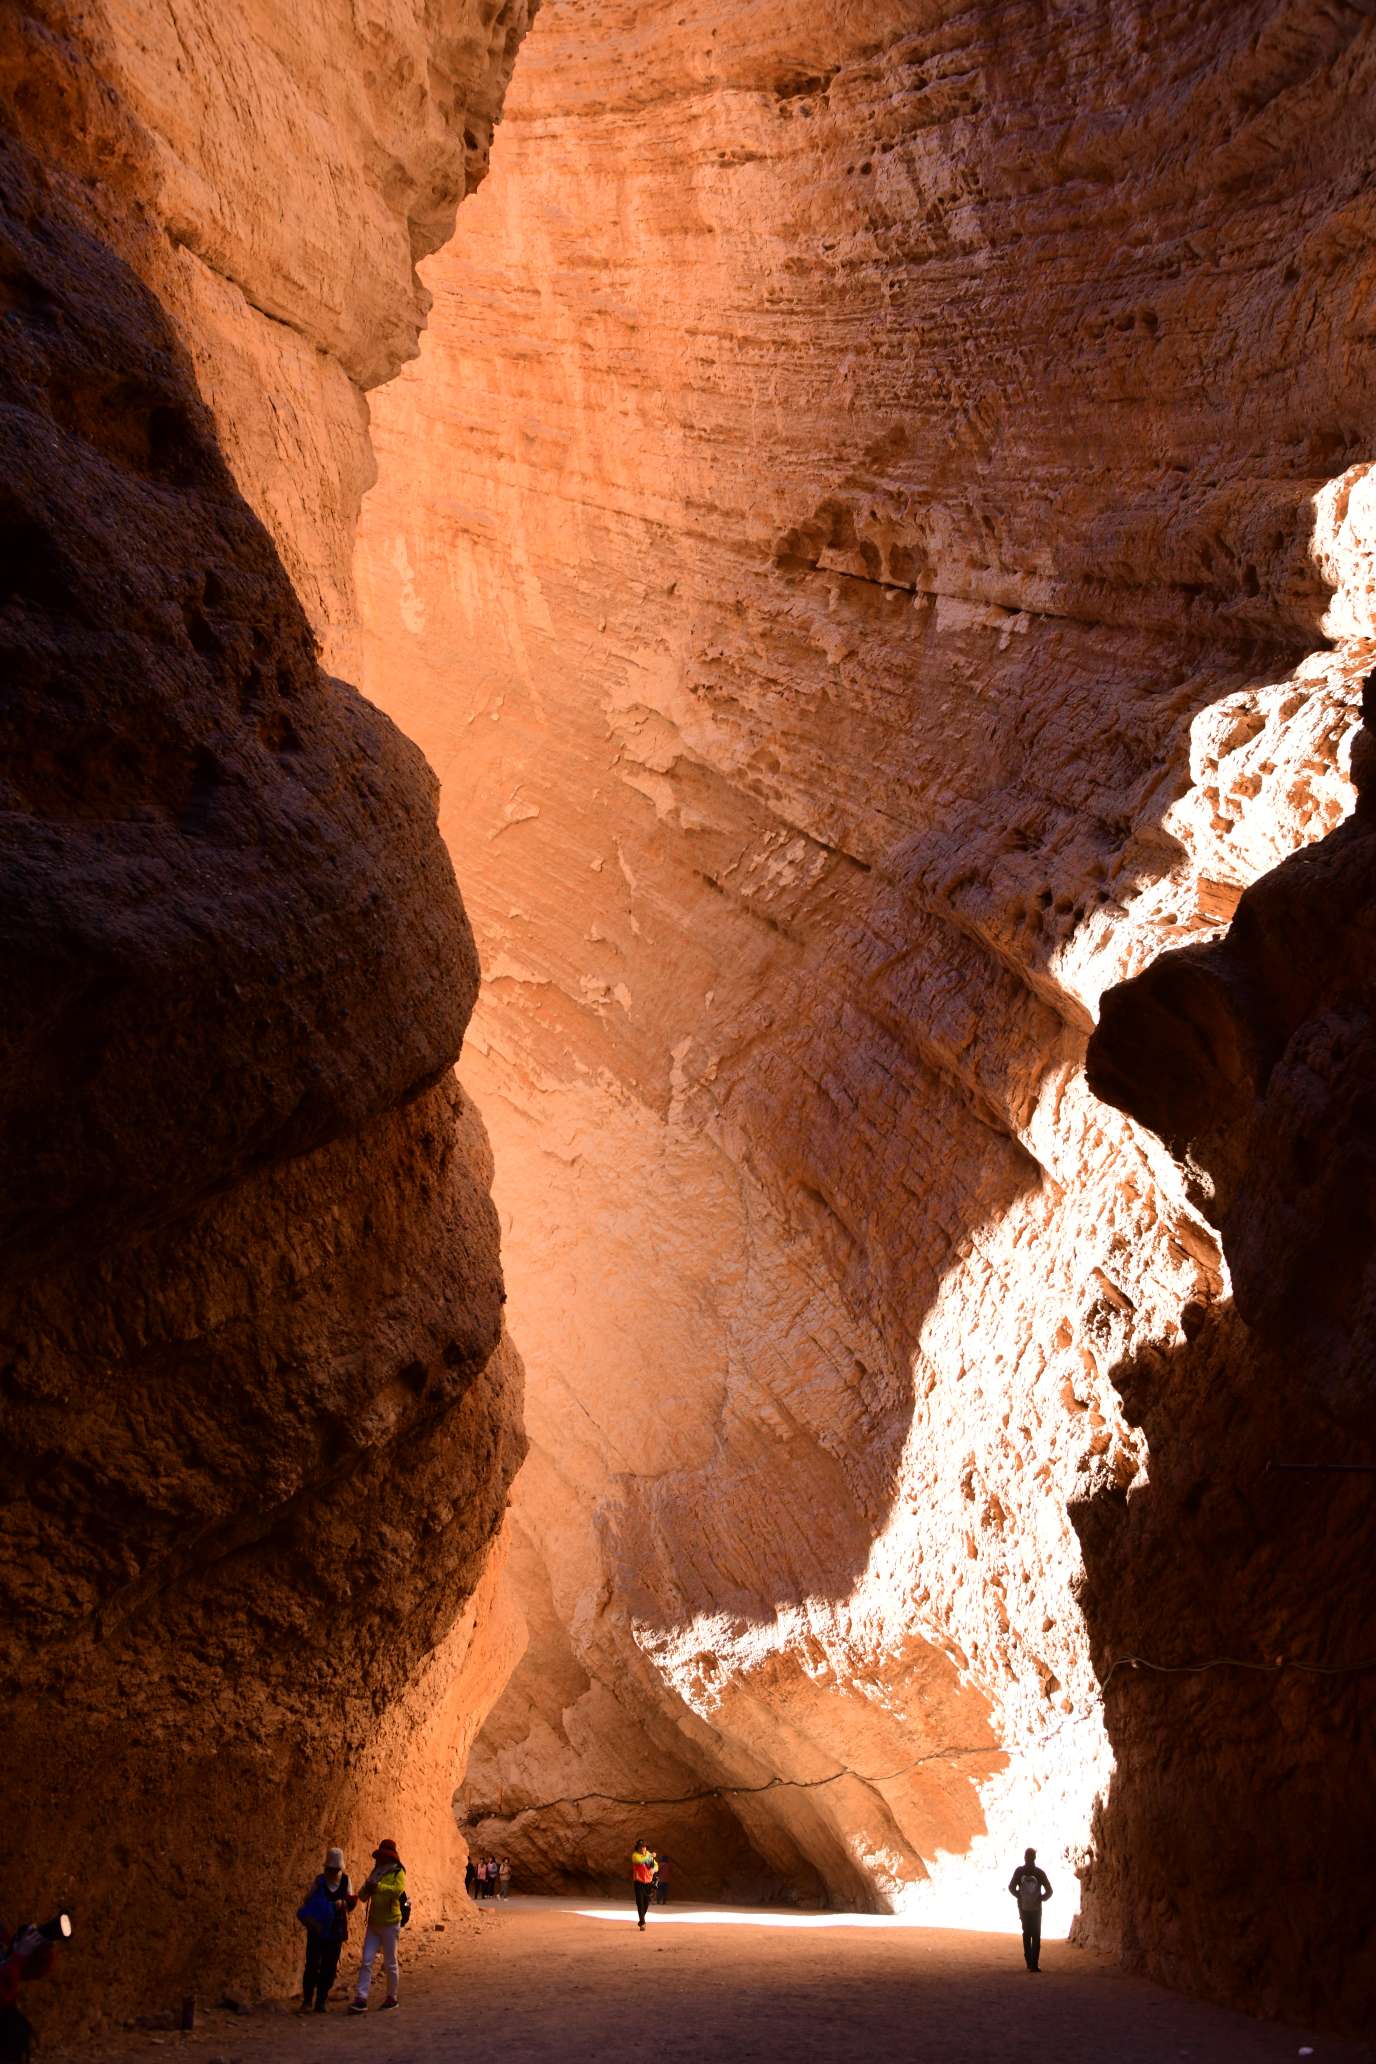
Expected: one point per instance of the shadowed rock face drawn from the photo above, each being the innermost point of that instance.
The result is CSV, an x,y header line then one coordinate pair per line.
x,y
877,545
260,1420
202,831
1255,1059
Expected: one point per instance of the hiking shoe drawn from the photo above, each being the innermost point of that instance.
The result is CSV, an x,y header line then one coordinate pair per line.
x,y
358,2006
385,2004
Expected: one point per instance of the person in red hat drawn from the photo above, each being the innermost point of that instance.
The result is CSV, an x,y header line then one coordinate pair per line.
x,y
384,1889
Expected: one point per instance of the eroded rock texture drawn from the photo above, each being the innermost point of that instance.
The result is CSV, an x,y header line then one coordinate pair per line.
x,y
260,1419
1254,1057
874,547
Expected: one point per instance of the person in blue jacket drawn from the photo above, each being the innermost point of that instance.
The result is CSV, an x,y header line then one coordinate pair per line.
x,y
324,1913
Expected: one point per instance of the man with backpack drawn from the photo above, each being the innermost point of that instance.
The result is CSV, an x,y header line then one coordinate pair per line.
x,y
1031,1888
389,1910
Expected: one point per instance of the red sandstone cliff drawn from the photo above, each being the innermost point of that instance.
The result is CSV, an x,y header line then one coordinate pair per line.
x,y
876,545
259,1417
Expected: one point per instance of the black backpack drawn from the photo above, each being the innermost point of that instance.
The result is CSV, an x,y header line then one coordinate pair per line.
x,y
405,1906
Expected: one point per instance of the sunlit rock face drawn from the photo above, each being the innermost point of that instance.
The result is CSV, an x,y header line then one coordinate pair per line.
x,y
856,548
260,1417
297,160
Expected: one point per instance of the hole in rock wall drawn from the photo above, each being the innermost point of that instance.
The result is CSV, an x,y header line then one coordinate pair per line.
x,y
862,605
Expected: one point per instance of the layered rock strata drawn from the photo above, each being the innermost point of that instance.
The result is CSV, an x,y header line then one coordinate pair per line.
x,y
874,546
260,1418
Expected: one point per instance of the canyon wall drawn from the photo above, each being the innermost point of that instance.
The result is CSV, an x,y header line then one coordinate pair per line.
x,y
1253,1057
876,546
260,1415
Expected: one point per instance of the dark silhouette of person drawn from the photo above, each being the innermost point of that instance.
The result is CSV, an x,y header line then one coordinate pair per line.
x,y
1031,1887
662,1881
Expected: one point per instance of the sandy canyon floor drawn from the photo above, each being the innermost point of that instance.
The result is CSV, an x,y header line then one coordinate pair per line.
x,y
555,1979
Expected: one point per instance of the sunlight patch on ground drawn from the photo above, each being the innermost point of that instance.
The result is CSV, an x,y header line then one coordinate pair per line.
x,y
782,1917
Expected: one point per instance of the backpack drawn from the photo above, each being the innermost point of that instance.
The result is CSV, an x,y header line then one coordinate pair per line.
x,y
405,1906
316,1911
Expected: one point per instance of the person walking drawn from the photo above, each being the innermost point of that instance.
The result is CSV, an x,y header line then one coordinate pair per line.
x,y
1031,1887
662,1881
384,1888
642,1878
504,1878
325,1915
470,1879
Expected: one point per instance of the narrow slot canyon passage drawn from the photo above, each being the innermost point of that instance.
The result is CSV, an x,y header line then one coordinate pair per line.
x,y
689,1091
808,551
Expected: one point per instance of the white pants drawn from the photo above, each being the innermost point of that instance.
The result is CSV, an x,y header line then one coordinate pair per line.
x,y
375,1939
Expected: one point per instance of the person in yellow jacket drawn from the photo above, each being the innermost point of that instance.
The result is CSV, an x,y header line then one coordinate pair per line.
x,y
384,1890
642,1877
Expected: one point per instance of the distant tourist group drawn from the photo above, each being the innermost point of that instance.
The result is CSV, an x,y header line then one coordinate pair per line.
x,y
325,1911
487,1878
